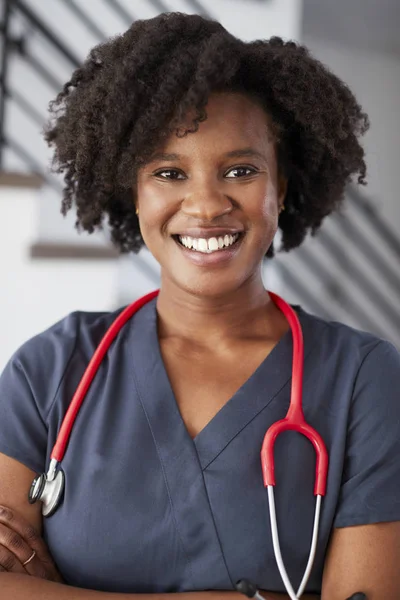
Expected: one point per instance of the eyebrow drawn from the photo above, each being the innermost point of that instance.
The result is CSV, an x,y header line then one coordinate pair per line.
x,y
250,152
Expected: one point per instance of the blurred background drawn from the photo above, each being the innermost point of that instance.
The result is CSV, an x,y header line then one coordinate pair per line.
x,y
349,272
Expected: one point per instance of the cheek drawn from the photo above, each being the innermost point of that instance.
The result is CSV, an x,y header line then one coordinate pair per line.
x,y
264,210
269,215
263,222
155,211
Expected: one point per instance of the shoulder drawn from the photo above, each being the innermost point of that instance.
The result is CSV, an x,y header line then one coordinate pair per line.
x,y
43,359
356,377
75,330
359,374
342,344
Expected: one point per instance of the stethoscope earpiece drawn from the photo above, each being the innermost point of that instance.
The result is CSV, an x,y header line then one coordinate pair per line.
x,y
47,490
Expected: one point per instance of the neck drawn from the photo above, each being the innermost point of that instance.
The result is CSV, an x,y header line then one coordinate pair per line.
x,y
246,312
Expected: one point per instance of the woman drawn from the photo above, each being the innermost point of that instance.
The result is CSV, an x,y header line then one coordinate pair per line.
x,y
199,145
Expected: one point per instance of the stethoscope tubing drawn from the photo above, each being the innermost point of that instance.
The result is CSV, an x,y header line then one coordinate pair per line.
x,y
277,549
50,487
294,421
91,370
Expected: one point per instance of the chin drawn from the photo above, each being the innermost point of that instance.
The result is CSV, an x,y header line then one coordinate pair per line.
x,y
210,285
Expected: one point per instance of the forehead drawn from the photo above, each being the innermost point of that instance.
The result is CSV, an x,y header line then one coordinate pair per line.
x,y
233,120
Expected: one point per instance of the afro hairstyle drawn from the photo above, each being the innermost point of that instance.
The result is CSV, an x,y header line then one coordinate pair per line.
x,y
135,89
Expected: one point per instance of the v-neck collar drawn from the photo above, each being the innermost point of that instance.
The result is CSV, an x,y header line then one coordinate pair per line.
x,y
250,399
184,460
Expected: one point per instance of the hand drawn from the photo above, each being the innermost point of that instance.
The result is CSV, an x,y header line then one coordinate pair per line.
x,y
18,541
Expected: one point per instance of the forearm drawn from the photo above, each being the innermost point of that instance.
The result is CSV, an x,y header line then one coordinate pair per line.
x,y
23,587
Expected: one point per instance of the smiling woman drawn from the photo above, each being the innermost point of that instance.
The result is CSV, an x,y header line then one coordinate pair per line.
x,y
200,146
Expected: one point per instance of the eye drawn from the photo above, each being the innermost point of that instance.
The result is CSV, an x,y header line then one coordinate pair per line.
x,y
241,169
159,174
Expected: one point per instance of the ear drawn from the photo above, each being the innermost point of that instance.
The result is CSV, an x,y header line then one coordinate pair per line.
x,y
282,188
135,199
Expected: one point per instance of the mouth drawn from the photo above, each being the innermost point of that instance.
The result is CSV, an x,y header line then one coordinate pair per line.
x,y
209,245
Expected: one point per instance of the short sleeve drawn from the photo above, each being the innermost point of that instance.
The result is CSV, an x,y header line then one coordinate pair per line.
x,y
23,432
28,388
370,490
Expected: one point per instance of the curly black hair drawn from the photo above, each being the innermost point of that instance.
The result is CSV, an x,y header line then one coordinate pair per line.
x,y
136,89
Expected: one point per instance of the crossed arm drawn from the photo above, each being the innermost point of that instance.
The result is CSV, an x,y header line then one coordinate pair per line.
x,y
363,558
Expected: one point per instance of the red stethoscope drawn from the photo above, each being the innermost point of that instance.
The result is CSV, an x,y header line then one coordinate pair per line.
x,y
49,487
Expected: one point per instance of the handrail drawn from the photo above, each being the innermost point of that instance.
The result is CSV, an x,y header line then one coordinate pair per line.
x,y
19,45
42,71
365,206
121,11
3,72
46,32
359,239
302,291
310,259
83,17
199,8
344,261
159,6
33,165
25,106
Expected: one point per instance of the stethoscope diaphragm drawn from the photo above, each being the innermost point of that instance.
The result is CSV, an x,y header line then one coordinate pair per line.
x,y
48,490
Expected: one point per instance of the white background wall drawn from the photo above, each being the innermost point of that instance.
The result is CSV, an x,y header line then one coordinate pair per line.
x,y
35,294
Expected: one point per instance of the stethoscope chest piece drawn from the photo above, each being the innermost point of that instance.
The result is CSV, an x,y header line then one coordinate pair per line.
x,y
48,491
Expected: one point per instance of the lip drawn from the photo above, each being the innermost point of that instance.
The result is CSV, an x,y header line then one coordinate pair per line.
x,y
221,257
208,232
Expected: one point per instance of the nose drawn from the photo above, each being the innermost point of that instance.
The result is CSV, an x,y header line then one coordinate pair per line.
x,y
206,203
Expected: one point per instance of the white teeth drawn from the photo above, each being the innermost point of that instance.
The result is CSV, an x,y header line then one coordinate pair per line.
x,y
207,246
213,244
202,245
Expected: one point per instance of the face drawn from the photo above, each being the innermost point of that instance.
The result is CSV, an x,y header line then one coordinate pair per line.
x,y
209,202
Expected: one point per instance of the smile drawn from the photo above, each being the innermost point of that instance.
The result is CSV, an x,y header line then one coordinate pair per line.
x,y
210,245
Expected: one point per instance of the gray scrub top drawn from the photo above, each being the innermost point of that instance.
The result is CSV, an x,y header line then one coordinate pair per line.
x,y
148,509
